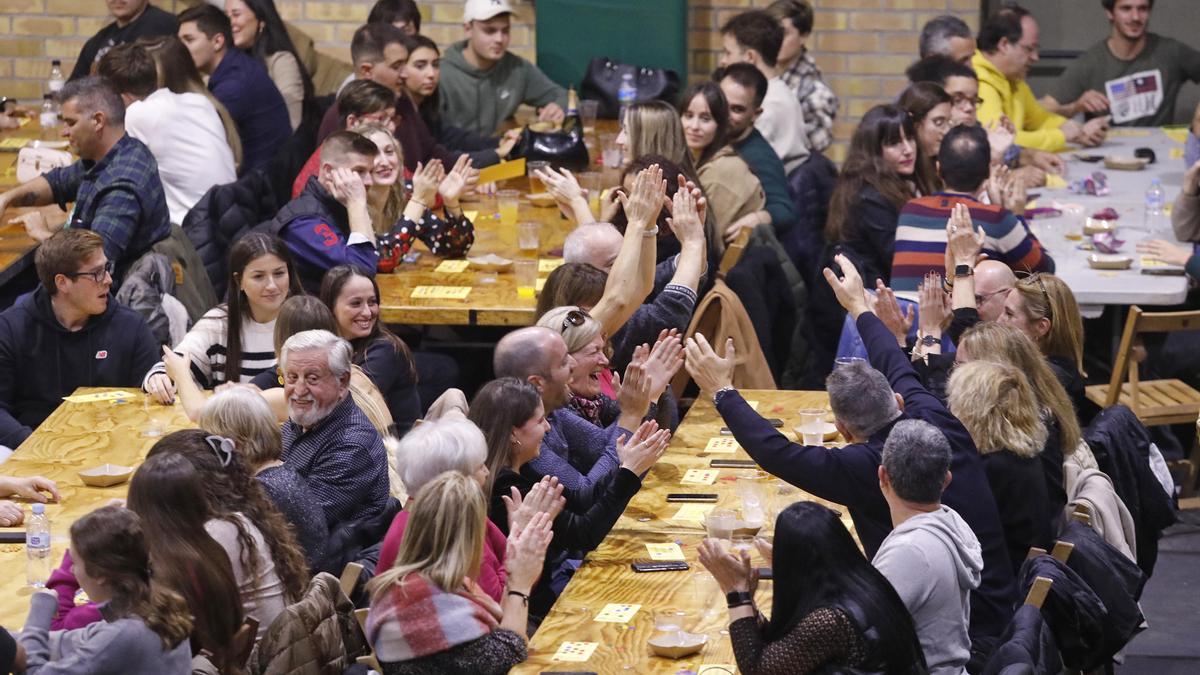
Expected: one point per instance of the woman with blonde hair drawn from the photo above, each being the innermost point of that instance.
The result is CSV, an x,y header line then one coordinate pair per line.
x,y
243,415
997,406
439,557
1043,307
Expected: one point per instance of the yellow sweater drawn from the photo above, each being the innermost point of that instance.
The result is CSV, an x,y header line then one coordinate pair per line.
x,y
1036,127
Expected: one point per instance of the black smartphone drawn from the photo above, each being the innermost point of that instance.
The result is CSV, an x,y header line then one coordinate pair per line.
x,y
1164,271
774,421
691,497
659,566
1089,158
732,464
765,573
12,536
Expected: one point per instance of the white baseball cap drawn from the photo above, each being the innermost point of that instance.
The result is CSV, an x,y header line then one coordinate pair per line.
x,y
482,10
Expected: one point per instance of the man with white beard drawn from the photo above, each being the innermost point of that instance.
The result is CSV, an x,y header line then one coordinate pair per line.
x,y
326,438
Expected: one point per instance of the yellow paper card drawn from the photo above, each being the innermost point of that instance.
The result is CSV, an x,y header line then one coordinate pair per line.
x,y
548,265
441,292
574,651
1175,153
1055,181
722,444
99,396
502,171
617,613
539,284
471,215
452,266
13,143
26,120
692,513
753,405
1128,133
700,476
1147,261
1177,134
668,551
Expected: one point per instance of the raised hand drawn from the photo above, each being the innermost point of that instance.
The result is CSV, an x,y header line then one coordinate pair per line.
x,y
887,308
348,188
527,551
936,312
964,243
686,221
646,199
731,573
643,448
711,372
849,288
635,395
454,182
425,182
665,359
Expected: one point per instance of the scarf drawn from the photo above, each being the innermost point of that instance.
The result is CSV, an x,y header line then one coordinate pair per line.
x,y
588,408
416,618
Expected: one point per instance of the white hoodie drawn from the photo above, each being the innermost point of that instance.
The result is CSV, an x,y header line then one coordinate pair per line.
x,y
933,561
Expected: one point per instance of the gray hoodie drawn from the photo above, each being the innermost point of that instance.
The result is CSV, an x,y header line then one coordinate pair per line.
x,y
933,561
479,100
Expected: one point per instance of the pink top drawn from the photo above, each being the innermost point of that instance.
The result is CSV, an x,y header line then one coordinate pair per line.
x,y
70,616
492,574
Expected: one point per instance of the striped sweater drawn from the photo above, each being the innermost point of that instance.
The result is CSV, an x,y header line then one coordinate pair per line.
x,y
921,238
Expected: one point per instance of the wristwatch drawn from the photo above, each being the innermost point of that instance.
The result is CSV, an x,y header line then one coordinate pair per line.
x,y
963,271
928,341
738,599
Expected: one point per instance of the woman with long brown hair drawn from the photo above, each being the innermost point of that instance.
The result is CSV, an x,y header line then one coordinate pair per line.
x,y
167,496
145,626
929,106
267,560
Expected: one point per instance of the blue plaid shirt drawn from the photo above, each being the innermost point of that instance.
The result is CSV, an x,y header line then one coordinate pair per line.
x,y
344,462
120,197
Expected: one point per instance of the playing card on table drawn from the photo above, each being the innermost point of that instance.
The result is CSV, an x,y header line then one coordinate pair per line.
x,y
700,476
667,551
693,513
574,651
1147,261
471,215
722,444
548,265
442,292
617,613
452,266
99,396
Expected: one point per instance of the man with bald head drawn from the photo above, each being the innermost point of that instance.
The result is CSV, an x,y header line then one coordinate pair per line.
x,y
993,281
580,454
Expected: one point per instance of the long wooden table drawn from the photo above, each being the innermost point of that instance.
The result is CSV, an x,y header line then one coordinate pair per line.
x,y
16,247
606,577
78,436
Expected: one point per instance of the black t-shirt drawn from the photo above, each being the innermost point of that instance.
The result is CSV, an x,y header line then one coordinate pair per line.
x,y
153,22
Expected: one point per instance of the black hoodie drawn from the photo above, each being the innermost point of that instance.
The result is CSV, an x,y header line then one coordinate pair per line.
x,y
41,362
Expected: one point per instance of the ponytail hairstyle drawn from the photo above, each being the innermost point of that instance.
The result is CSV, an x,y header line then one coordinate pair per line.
x,y
167,496
110,545
231,490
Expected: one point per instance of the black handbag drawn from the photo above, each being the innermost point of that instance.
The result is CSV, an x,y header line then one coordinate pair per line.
x,y
563,149
604,76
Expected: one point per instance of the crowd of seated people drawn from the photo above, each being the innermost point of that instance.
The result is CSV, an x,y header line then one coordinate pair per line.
x,y
317,444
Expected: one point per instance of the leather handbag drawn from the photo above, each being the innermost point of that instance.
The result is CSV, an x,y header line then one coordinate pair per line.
x,y
564,149
603,79
33,162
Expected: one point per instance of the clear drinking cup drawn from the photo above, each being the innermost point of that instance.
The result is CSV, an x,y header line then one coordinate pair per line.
x,y
529,239
526,272
812,426
588,110
509,204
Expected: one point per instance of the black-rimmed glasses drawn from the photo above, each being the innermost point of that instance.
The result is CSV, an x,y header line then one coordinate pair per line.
x,y
96,275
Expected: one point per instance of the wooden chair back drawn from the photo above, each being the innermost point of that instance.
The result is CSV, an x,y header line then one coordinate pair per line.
x,y
1155,402
733,253
349,579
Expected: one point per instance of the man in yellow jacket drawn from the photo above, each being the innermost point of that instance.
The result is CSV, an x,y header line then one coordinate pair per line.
x,y
1008,46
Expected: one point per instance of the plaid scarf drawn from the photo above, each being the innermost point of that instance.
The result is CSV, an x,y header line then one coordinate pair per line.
x,y
416,618
587,408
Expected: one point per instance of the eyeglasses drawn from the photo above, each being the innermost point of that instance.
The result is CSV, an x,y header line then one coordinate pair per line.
x,y
574,318
1036,277
962,101
981,298
96,275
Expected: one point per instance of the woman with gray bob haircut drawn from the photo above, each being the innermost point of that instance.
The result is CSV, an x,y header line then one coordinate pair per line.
x,y
243,415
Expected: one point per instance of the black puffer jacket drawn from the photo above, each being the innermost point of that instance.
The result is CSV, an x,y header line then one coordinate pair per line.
x,y
223,214
811,185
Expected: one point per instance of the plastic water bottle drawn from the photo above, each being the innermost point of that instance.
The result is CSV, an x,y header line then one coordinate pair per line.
x,y
37,547
1156,210
626,94
56,82
49,115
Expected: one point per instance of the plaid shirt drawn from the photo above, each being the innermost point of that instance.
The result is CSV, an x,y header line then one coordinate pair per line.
x,y
344,462
120,197
819,102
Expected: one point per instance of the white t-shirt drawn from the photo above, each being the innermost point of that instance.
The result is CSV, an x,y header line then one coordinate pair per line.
x,y
782,124
185,135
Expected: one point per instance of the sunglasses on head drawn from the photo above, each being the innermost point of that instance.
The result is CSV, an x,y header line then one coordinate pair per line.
x,y
574,318
1036,277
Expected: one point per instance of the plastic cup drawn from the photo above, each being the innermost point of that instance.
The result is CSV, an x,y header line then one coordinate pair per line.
x,y
536,186
847,361
529,238
588,110
526,271
610,152
592,182
509,204
812,426
719,523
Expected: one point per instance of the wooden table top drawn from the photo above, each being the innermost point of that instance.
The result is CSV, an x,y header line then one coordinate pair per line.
x,y
606,576
78,436
16,247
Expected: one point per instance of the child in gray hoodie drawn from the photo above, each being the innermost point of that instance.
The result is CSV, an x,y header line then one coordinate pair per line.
x,y
932,558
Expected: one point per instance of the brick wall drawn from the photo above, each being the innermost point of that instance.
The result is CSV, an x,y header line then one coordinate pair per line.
x,y
862,46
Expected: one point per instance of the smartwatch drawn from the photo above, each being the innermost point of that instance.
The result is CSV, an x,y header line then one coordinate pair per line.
x,y
738,599
963,271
